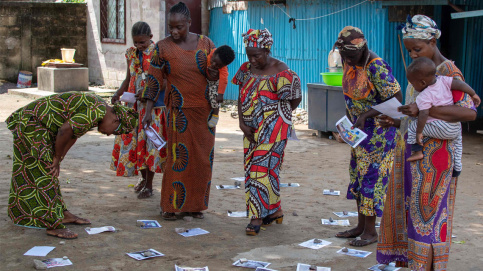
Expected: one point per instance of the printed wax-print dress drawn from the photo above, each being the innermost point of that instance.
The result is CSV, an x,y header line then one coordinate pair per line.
x,y
190,142
371,161
265,101
35,199
400,203
133,152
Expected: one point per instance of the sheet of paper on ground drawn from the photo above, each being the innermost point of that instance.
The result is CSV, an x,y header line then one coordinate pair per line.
x,y
40,251
250,263
389,108
100,229
264,269
313,244
355,252
145,254
289,185
193,232
342,222
227,187
353,137
240,179
150,224
349,214
54,262
237,214
178,268
389,267
333,193
306,267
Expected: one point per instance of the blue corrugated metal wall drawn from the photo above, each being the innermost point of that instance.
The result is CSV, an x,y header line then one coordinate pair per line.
x,y
305,49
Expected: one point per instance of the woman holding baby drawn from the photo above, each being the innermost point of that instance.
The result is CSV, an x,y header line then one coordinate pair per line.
x,y
417,222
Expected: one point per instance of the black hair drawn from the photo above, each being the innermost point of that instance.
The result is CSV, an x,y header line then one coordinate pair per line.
x,y
141,28
182,9
225,53
423,66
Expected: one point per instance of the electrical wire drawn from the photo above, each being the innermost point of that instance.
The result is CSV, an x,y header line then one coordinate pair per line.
x,y
307,19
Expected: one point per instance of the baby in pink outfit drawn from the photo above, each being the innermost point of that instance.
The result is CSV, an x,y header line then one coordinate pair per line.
x,y
434,91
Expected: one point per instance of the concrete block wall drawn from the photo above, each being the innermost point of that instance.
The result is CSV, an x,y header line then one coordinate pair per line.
x,y
107,63
33,32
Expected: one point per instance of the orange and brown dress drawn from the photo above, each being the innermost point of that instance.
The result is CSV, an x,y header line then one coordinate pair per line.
x,y
190,142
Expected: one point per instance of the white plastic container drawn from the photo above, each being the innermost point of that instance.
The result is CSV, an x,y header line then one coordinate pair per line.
x,y
68,55
24,79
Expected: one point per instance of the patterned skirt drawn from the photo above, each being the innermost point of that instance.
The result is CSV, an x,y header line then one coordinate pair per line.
x,y
431,205
35,199
263,163
370,167
189,164
133,152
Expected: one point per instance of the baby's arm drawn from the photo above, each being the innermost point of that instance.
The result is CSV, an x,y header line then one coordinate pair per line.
x,y
461,85
422,118
222,83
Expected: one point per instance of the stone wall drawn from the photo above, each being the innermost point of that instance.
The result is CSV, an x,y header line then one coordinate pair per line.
x,y
107,63
33,32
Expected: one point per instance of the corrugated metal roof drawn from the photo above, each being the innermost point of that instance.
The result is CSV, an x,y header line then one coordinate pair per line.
x,y
216,4
305,49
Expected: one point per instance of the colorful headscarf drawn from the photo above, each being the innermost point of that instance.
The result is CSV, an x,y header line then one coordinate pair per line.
x,y
350,38
258,38
128,118
420,27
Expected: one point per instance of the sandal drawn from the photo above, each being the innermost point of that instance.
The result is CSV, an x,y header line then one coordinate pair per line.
x,y
168,216
252,230
347,234
198,215
63,233
78,221
359,242
267,221
140,185
145,193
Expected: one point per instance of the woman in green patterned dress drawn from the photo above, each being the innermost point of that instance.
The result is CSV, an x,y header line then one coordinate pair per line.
x,y
43,131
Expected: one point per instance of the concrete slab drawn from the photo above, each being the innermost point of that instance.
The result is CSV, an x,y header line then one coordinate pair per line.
x,y
63,79
35,93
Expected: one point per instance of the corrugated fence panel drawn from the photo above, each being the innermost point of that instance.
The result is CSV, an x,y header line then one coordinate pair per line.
x,y
305,49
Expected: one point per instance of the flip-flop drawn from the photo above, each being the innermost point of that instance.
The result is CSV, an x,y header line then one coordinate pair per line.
x,y
366,242
198,215
76,222
346,234
168,216
60,235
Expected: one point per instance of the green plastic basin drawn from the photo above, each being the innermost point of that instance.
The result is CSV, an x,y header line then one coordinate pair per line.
x,y
332,78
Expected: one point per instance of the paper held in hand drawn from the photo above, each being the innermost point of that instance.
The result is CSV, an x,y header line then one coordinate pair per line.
x,y
389,108
154,137
351,136
128,97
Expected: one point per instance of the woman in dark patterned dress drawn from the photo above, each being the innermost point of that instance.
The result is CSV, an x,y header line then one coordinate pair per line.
x,y
181,59
269,91
43,131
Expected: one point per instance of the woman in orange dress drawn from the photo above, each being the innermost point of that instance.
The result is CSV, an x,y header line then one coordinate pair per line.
x,y
181,59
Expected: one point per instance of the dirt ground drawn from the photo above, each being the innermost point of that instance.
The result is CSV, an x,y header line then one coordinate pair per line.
x,y
91,190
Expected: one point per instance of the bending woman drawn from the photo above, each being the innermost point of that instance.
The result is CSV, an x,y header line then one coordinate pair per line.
x,y
182,59
43,132
367,81
269,91
429,216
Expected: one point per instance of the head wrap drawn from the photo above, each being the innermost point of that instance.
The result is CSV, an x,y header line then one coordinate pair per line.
x,y
350,38
420,27
258,38
128,118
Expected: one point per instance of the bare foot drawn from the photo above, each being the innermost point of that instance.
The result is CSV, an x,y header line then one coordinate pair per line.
x,y
62,233
352,233
415,156
70,218
364,240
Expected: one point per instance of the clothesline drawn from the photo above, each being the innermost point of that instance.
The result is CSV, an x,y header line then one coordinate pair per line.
x,y
326,15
